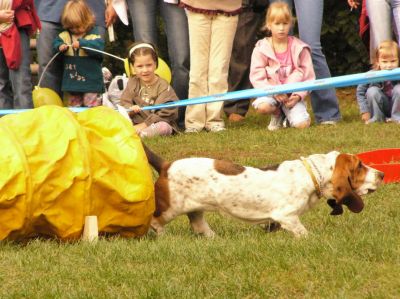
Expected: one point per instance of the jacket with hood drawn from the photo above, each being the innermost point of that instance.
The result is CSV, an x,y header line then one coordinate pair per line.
x,y
264,69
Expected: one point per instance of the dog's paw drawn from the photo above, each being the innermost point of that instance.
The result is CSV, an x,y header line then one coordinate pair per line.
x,y
271,227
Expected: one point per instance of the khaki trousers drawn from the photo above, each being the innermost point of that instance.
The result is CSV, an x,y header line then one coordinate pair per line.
x,y
211,38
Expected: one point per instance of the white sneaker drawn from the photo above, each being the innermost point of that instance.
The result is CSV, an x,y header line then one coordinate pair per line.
x,y
276,122
328,122
192,130
216,128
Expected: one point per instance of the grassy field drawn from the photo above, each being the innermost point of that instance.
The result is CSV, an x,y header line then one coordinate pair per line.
x,y
348,256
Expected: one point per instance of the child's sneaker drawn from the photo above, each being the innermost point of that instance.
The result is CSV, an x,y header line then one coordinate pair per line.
x,y
276,122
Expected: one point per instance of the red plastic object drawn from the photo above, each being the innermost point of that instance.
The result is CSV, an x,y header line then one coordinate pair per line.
x,y
386,160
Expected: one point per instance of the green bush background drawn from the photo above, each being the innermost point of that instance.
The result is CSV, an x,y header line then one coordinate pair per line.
x,y
343,48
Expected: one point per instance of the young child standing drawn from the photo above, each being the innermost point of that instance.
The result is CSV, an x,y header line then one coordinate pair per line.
x,y
381,101
280,59
18,20
145,88
82,81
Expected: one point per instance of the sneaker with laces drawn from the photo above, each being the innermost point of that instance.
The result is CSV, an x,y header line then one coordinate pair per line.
x,y
276,122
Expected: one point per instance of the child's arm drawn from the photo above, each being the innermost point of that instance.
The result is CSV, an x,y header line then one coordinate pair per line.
x,y
258,74
92,40
167,114
59,45
362,101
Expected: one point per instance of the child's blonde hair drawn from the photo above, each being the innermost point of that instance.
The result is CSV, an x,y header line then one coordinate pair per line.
x,y
141,49
277,11
387,48
76,13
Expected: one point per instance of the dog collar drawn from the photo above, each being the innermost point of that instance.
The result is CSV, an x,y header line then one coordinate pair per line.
x,y
313,178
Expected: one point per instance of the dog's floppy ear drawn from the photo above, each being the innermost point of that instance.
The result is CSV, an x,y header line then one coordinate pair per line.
x,y
341,180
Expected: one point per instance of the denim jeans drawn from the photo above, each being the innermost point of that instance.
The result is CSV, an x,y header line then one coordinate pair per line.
x,y
309,14
381,107
53,76
144,20
16,85
380,14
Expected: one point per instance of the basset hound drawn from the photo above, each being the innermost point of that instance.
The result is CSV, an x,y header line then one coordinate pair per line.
x,y
278,195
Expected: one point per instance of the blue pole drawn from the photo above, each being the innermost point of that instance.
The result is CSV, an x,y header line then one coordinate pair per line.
x,y
333,82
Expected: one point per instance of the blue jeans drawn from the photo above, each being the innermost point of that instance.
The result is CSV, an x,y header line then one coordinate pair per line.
x,y
309,14
381,13
381,106
53,76
144,20
16,85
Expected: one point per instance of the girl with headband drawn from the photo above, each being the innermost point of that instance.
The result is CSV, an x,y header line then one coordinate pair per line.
x,y
146,88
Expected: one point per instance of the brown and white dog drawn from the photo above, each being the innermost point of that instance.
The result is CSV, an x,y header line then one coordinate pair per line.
x,y
260,196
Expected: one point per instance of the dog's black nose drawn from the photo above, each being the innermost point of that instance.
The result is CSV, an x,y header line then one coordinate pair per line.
x,y
381,175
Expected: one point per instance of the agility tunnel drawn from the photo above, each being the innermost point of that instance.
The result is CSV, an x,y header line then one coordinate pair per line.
x,y
57,167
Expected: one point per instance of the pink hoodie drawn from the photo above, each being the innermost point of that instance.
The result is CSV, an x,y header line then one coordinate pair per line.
x,y
265,66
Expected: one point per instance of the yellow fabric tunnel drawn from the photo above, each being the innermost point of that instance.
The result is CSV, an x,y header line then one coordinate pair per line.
x,y
57,167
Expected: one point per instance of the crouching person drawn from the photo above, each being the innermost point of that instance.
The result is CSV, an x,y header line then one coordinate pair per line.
x,y
280,59
146,88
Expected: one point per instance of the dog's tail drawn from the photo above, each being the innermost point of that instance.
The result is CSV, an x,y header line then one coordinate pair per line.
x,y
156,161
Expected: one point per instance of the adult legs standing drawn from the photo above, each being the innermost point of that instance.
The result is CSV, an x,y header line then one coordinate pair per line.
x,y
53,76
199,37
6,94
222,35
380,19
245,38
21,78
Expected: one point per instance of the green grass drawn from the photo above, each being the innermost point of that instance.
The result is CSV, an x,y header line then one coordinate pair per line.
x,y
348,256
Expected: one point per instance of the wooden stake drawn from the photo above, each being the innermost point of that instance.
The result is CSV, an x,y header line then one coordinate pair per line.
x,y
91,230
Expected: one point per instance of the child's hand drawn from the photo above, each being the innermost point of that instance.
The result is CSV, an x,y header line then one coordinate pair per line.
x,y
6,16
63,47
135,109
365,117
281,98
293,100
75,44
353,3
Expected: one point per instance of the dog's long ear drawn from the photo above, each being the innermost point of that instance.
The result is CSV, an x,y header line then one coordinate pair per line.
x,y
341,180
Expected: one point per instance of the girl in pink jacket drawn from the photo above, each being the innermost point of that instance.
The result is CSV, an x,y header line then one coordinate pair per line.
x,y
280,59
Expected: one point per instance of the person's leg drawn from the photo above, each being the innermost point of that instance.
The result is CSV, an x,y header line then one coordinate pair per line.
x,y
376,98
6,95
21,80
380,22
396,17
395,113
223,31
144,20
53,76
298,116
176,29
199,37
92,99
161,128
324,102
239,67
